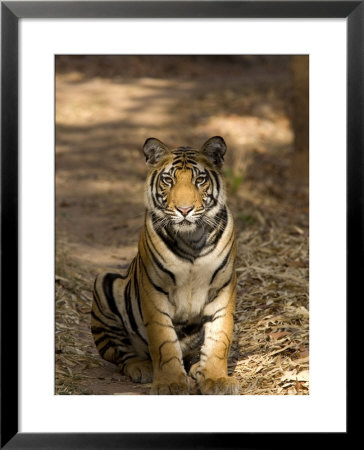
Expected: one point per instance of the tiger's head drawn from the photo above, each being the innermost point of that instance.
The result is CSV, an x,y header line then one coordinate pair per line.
x,y
184,188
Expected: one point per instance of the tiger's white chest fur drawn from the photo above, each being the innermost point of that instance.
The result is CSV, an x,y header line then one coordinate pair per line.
x,y
192,287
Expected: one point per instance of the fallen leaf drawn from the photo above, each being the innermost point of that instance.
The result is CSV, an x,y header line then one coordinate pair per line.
x,y
278,334
293,376
303,354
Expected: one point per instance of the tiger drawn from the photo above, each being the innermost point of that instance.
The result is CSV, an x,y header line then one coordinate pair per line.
x,y
169,319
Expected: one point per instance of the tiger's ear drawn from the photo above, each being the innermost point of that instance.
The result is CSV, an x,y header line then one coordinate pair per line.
x,y
154,150
214,149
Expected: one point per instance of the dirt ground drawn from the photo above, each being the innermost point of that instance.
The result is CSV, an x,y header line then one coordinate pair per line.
x,y
105,109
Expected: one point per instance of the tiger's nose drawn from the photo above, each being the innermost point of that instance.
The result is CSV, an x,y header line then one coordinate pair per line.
x,y
184,210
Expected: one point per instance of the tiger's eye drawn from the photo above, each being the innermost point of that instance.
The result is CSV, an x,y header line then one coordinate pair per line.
x,y
167,179
201,179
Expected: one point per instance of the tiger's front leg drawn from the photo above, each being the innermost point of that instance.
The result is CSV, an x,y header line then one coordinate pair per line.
x,y
211,373
169,375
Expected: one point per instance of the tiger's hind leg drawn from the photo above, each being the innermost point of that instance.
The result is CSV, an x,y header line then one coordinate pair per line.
x,y
110,335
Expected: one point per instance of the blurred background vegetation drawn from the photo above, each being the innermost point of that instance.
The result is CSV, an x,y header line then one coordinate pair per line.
x,y
106,106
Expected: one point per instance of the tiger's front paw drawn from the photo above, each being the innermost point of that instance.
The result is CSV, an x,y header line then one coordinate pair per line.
x,y
193,370
139,371
170,387
219,386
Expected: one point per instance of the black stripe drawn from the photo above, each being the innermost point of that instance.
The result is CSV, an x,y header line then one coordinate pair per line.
x,y
212,317
97,302
215,236
127,356
210,181
129,311
101,308
191,161
107,285
220,309
160,349
220,341
158,288
106,325
183,149
116,331
162,312
97,330
227,337
160,265
126,341
217,181
220,289
172,245
103,315
106,347
159,324
151,241
227,243
222,265
97,299
153,189
136,290
153,177
161,364
117,340
102,338
128,307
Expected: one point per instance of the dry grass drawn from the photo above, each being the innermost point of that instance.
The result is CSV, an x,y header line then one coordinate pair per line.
x,y
74,350
272,312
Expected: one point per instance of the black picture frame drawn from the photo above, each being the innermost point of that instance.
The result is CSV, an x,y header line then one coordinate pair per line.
x,y
11,12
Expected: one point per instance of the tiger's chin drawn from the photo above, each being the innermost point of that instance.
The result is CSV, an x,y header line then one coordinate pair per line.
x,y
185,226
